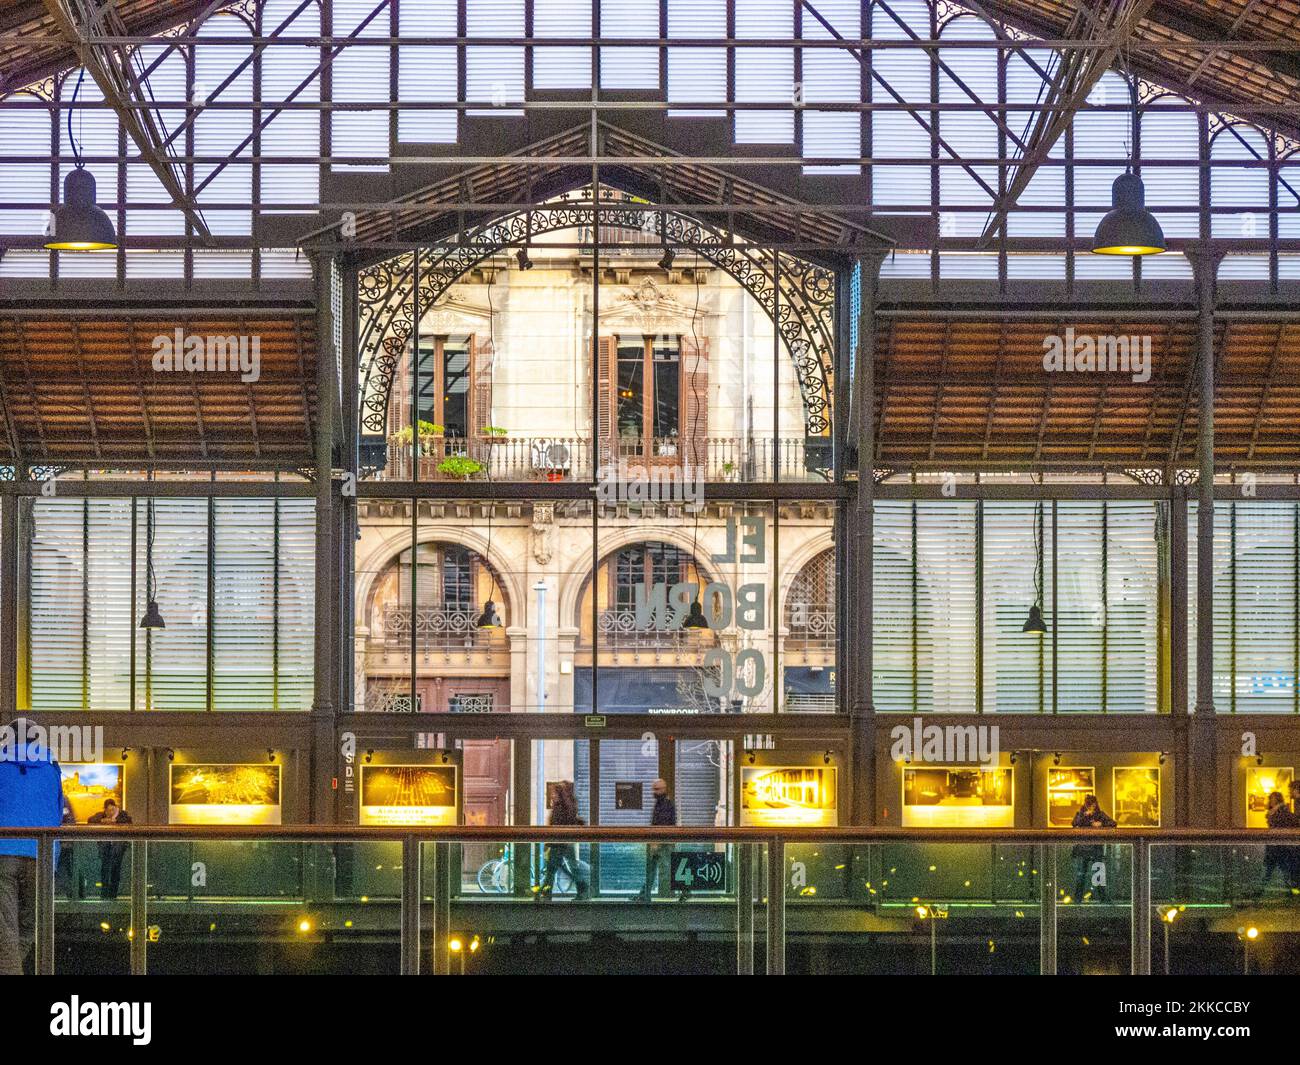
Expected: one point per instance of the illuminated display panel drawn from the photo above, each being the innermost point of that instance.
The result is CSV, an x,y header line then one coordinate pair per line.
x,y
965,797
1261,781
788,795
408,794
1137,797
1066,787
88,785
223,794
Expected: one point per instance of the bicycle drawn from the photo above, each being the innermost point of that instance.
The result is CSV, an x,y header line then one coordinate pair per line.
x,y
497,876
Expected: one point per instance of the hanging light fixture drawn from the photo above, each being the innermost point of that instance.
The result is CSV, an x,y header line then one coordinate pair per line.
x,y
695,618
1129,228
666,261
153,618
1034,623
489,618
79,224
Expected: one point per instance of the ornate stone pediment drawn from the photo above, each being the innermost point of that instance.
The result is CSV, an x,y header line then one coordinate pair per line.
x,y
455,313
650,309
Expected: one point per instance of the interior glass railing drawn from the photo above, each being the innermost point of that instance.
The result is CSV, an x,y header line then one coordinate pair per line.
x,y
539,900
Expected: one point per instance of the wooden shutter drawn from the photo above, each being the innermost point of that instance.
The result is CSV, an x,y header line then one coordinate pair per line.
x,y
606,382
482,362
695,400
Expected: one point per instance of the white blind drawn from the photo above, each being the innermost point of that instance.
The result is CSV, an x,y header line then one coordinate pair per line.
x,y
57,603
764,74
892,608
291,132
1132,566
832,75
896,133
970,133
629,68
1017,665
427,73
494,72
946,607
561,68
261,627
924,584
697,74
1255,606
296,610
243,604
359,73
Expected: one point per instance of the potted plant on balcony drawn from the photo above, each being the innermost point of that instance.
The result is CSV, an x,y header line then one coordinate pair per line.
x,y
460,467
429,431
729,470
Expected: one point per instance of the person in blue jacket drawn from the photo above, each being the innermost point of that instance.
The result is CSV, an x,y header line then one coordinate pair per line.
x,y
31,795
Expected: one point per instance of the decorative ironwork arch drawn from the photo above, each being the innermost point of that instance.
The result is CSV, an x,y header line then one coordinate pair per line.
x,y
805,319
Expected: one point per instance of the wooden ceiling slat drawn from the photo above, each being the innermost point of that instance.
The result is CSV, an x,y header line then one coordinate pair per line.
x,y
85,387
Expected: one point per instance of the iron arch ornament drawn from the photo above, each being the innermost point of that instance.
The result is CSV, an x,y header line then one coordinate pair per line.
x,y
804,312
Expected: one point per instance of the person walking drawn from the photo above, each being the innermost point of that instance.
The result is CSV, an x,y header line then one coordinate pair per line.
x,y
31,796
564,811
1277,857
658,856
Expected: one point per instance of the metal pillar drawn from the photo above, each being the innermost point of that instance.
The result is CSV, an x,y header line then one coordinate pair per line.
x,y
9,671
1202,790
1141,896
1045,857
323,753
139,907
1178,602
45,906
858,595
744,909
775,907
442,908
412,890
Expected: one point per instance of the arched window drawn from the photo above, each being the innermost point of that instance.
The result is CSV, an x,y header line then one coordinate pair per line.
x,y
451,586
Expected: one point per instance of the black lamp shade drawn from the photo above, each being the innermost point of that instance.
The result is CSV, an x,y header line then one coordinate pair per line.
x,y
666,261
695,618
489,619
1035,623
525,262
79,225
1129,228
153,618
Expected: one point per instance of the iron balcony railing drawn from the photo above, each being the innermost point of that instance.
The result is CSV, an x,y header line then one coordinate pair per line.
x,y
747,862
561,458
436,629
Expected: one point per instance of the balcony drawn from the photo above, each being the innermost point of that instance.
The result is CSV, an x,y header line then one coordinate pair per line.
x,y
440,629
569,458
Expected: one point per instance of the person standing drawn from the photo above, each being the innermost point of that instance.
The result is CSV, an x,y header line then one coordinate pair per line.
x,y
1090,856
110,851
658,856
1277,857
31,796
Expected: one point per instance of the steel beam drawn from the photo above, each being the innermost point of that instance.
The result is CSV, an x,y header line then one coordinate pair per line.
x,y
1078,72
86,25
